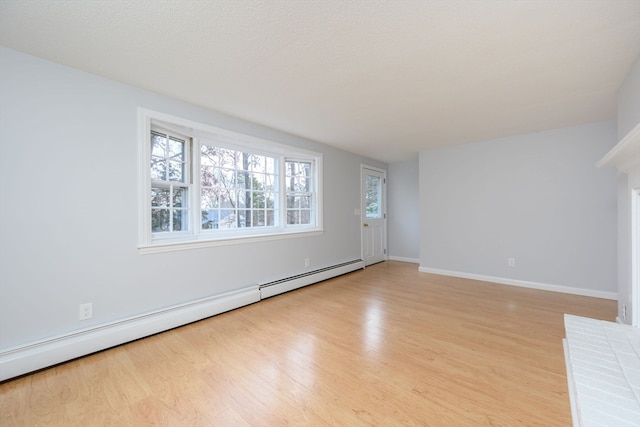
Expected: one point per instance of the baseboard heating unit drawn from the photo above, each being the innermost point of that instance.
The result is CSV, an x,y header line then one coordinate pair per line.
x,y
276,287
41,354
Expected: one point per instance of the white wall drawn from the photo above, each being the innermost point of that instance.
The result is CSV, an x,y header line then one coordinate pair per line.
x,y
69,201
537,198
403,210
628,117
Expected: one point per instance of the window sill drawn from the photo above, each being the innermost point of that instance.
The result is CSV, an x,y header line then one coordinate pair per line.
x,y
182,245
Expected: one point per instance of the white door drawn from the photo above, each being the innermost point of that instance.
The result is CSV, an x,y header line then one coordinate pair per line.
x,y
374,217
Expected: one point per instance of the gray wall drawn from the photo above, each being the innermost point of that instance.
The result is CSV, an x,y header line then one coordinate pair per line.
x,y
628,118
69,200
629,101
403,210
537,198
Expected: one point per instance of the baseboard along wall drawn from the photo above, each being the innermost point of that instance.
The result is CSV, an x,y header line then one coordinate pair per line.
x,y
523,283
404,259
52,351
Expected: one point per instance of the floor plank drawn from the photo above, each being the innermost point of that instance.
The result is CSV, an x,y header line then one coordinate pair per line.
x,y
387,345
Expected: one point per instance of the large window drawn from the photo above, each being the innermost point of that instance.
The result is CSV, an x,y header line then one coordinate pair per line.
x,y
205,186
238,189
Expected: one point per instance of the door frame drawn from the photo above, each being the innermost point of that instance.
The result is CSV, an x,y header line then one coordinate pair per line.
x,y
635,257
363,168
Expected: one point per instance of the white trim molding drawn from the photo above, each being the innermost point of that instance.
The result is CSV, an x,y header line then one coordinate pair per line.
x,y
625,156
37,355
523,283
205,243
403,259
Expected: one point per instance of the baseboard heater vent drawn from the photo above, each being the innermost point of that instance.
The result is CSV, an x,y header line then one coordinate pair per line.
x,y
41,354
276,287
37,355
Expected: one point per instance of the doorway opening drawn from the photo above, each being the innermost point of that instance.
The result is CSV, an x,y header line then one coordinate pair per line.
x,y
373,214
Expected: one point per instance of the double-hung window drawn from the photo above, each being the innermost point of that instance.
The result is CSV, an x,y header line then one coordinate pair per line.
x,y
203,186
300,194
169,168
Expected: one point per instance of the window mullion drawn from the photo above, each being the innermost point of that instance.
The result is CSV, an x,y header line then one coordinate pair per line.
x,y
195,193
282,186
171,208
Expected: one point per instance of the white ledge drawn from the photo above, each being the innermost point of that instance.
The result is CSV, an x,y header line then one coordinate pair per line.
x,y
626,154
170,246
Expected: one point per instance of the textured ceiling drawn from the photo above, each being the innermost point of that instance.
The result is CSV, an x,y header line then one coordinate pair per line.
x,y
386,79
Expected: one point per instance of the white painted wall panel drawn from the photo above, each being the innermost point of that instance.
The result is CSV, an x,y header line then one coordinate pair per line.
x,y
537,198
404,210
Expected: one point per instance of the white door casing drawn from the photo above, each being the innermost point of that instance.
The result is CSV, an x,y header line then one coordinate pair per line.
x,y
635,257
373,214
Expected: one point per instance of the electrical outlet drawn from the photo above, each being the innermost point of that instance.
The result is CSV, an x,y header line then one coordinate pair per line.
x,y
624,312
511,262
306,262
86,311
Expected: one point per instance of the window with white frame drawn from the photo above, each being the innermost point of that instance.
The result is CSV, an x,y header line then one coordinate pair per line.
x,y
203,186
300,194
238,188
170,182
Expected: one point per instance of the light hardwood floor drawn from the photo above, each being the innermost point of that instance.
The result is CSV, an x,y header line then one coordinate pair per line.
x,y
385,346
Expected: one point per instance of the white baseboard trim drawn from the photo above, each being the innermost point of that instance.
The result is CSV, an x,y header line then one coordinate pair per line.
x,y
523,283
403,259
286,285
41,354
37,355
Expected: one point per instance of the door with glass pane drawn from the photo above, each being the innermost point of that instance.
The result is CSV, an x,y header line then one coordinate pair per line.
x,y
374,230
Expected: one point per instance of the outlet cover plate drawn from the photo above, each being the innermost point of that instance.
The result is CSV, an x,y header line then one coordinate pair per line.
x,y
86,311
